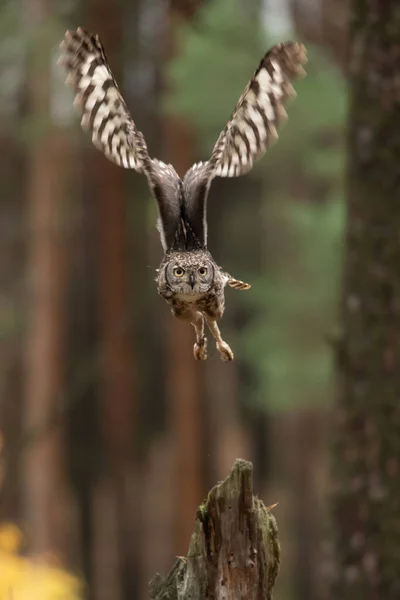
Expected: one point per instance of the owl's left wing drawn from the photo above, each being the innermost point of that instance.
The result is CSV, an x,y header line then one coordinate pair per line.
x,y
251,128
260,109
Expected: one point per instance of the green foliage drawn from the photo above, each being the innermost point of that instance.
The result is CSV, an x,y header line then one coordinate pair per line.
x,y
293,302
315,118
217,55
11,58
294,306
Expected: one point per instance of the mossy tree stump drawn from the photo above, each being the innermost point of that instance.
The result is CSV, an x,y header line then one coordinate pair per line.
x,y
234,550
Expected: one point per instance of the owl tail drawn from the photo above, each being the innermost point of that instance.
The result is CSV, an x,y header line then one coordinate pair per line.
x,y
236,284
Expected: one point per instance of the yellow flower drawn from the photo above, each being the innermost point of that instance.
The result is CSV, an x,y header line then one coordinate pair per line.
x,y
10,538
24,579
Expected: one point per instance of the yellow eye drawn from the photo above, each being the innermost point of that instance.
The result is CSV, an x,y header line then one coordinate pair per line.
x,y
202,271
178,272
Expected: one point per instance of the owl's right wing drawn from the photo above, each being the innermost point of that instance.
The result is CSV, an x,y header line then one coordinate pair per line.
x,y
251,128
106,116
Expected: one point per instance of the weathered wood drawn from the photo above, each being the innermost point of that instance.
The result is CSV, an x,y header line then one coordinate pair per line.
x,y
366,425
234,551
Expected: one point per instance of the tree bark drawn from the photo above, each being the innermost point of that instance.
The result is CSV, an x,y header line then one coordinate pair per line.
x,y
115,306
365,503
119,378
184,375
47,509
234,551
13,245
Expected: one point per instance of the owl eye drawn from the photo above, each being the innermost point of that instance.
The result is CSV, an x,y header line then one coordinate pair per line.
x,y
178,272
203,271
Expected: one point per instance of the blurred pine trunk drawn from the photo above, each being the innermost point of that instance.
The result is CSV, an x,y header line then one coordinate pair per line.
x,y
235,234
114,495
48,511
234,210
184,375
13,246
298,481
365,498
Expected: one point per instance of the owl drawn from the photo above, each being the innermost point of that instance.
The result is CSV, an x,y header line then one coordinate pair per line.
x,y
188,278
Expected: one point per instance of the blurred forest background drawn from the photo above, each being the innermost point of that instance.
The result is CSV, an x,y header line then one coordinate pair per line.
x,y
110,433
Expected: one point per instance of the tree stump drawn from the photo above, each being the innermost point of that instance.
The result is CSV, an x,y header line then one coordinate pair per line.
x,y
234,551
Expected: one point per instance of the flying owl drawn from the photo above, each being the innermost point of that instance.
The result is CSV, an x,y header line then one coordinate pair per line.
x,y
188,278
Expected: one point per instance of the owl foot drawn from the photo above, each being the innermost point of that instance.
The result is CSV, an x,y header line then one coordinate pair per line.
x,y
200,349
225,352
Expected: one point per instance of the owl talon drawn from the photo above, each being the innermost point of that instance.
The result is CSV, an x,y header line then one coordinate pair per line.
x,y
225,352
200,349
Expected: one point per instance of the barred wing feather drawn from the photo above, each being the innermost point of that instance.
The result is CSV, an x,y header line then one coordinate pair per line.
x,y
248,133
114,132
103,109
253,124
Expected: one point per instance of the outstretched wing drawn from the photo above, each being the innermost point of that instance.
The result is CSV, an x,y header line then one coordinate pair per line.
x,y
251,128
106,116
253,124
98,98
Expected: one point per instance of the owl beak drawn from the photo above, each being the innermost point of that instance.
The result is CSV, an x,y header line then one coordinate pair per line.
x,y
191,280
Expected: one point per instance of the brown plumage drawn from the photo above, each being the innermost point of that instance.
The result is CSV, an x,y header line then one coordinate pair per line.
x,y
188,277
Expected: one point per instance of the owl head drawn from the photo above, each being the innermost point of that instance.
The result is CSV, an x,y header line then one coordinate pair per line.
x,y
189,273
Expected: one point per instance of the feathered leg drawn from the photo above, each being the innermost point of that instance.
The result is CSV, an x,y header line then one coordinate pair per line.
x,y
200,347
222,347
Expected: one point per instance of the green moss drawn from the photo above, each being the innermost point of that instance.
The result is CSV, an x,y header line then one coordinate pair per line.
x,y
269,536
202,513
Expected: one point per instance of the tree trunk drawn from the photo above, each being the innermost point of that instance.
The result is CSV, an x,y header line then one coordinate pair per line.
x,y
115,496
115,306
184,376
234,551
47,511
365,507
12,275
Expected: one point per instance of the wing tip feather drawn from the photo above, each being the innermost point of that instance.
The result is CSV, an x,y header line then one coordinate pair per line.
x,y
238,285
